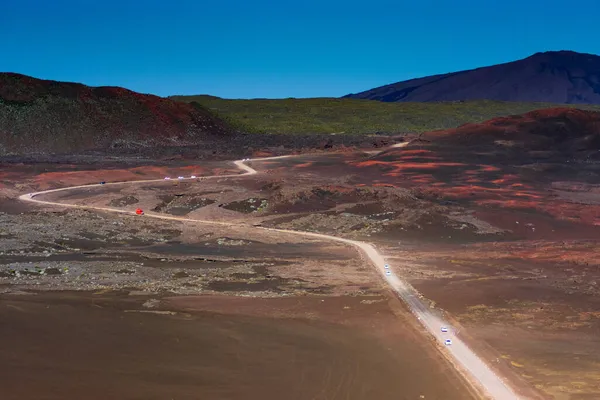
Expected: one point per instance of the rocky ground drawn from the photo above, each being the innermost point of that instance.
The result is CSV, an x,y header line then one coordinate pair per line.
x,y
226,304
82,250
507,250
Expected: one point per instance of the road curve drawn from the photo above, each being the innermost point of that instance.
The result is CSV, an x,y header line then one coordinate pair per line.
x,y
487,381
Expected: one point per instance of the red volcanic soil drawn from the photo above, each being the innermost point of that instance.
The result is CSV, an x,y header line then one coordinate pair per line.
x,y
47,117
260,154
50,176
511,163
549,129
42,115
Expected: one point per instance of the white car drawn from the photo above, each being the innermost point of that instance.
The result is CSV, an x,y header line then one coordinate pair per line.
x,y
448,342
167,178
388,273
180,177
444,329
193,176
386,266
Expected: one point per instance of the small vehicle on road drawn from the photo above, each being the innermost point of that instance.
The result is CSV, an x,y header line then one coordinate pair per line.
x,y
167,178
180,177
139,211
102,183
448,342
386,266
193,176
444,329
388,273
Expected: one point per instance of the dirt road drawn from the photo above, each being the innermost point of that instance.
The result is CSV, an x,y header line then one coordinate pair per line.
x,y
466,360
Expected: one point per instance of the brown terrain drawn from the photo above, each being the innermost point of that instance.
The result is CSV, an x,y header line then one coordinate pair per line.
x,y
497,224
105,306
117,345
40,119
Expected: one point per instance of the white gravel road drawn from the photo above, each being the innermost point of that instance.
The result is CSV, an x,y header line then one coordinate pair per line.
x,y
480,373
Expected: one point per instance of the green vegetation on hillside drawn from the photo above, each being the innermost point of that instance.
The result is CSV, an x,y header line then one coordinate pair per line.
x,y
330,115
86,119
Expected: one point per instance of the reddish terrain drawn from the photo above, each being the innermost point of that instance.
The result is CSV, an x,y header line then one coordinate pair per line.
x,y
41,117
502,235
545,160
561,130
499,224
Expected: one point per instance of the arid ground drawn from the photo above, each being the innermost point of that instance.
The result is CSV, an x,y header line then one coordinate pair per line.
x,y
99,305
503,239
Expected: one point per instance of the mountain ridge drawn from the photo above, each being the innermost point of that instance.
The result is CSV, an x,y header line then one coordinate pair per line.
x,y
564,77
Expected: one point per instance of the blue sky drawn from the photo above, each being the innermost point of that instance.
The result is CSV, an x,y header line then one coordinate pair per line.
x,y
274,49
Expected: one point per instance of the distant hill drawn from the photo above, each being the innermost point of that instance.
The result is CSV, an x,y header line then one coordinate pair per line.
x,y
48,120
362,117
48,116
548,129
540,146
563,77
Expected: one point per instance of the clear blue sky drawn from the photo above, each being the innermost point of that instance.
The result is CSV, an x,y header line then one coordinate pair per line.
x,y
259,48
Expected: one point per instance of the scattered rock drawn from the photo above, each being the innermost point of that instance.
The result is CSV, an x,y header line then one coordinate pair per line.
x,y
151,303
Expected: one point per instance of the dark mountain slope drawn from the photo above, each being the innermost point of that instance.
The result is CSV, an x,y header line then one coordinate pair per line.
x,y
555,77
48,116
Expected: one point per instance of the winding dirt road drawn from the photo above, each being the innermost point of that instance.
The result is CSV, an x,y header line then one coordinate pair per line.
x,y
464,358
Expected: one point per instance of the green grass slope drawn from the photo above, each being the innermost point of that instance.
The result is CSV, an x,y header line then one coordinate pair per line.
x,y
350,116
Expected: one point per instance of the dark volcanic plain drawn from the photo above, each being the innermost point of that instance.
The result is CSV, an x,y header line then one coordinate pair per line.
x,y
498,224
99,305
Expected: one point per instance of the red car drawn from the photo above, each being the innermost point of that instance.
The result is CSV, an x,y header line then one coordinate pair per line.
x,y
139,211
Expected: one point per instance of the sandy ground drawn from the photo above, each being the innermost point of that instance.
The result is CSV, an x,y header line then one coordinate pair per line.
x,y
536,304
115,345
168,310
507,255
508,252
